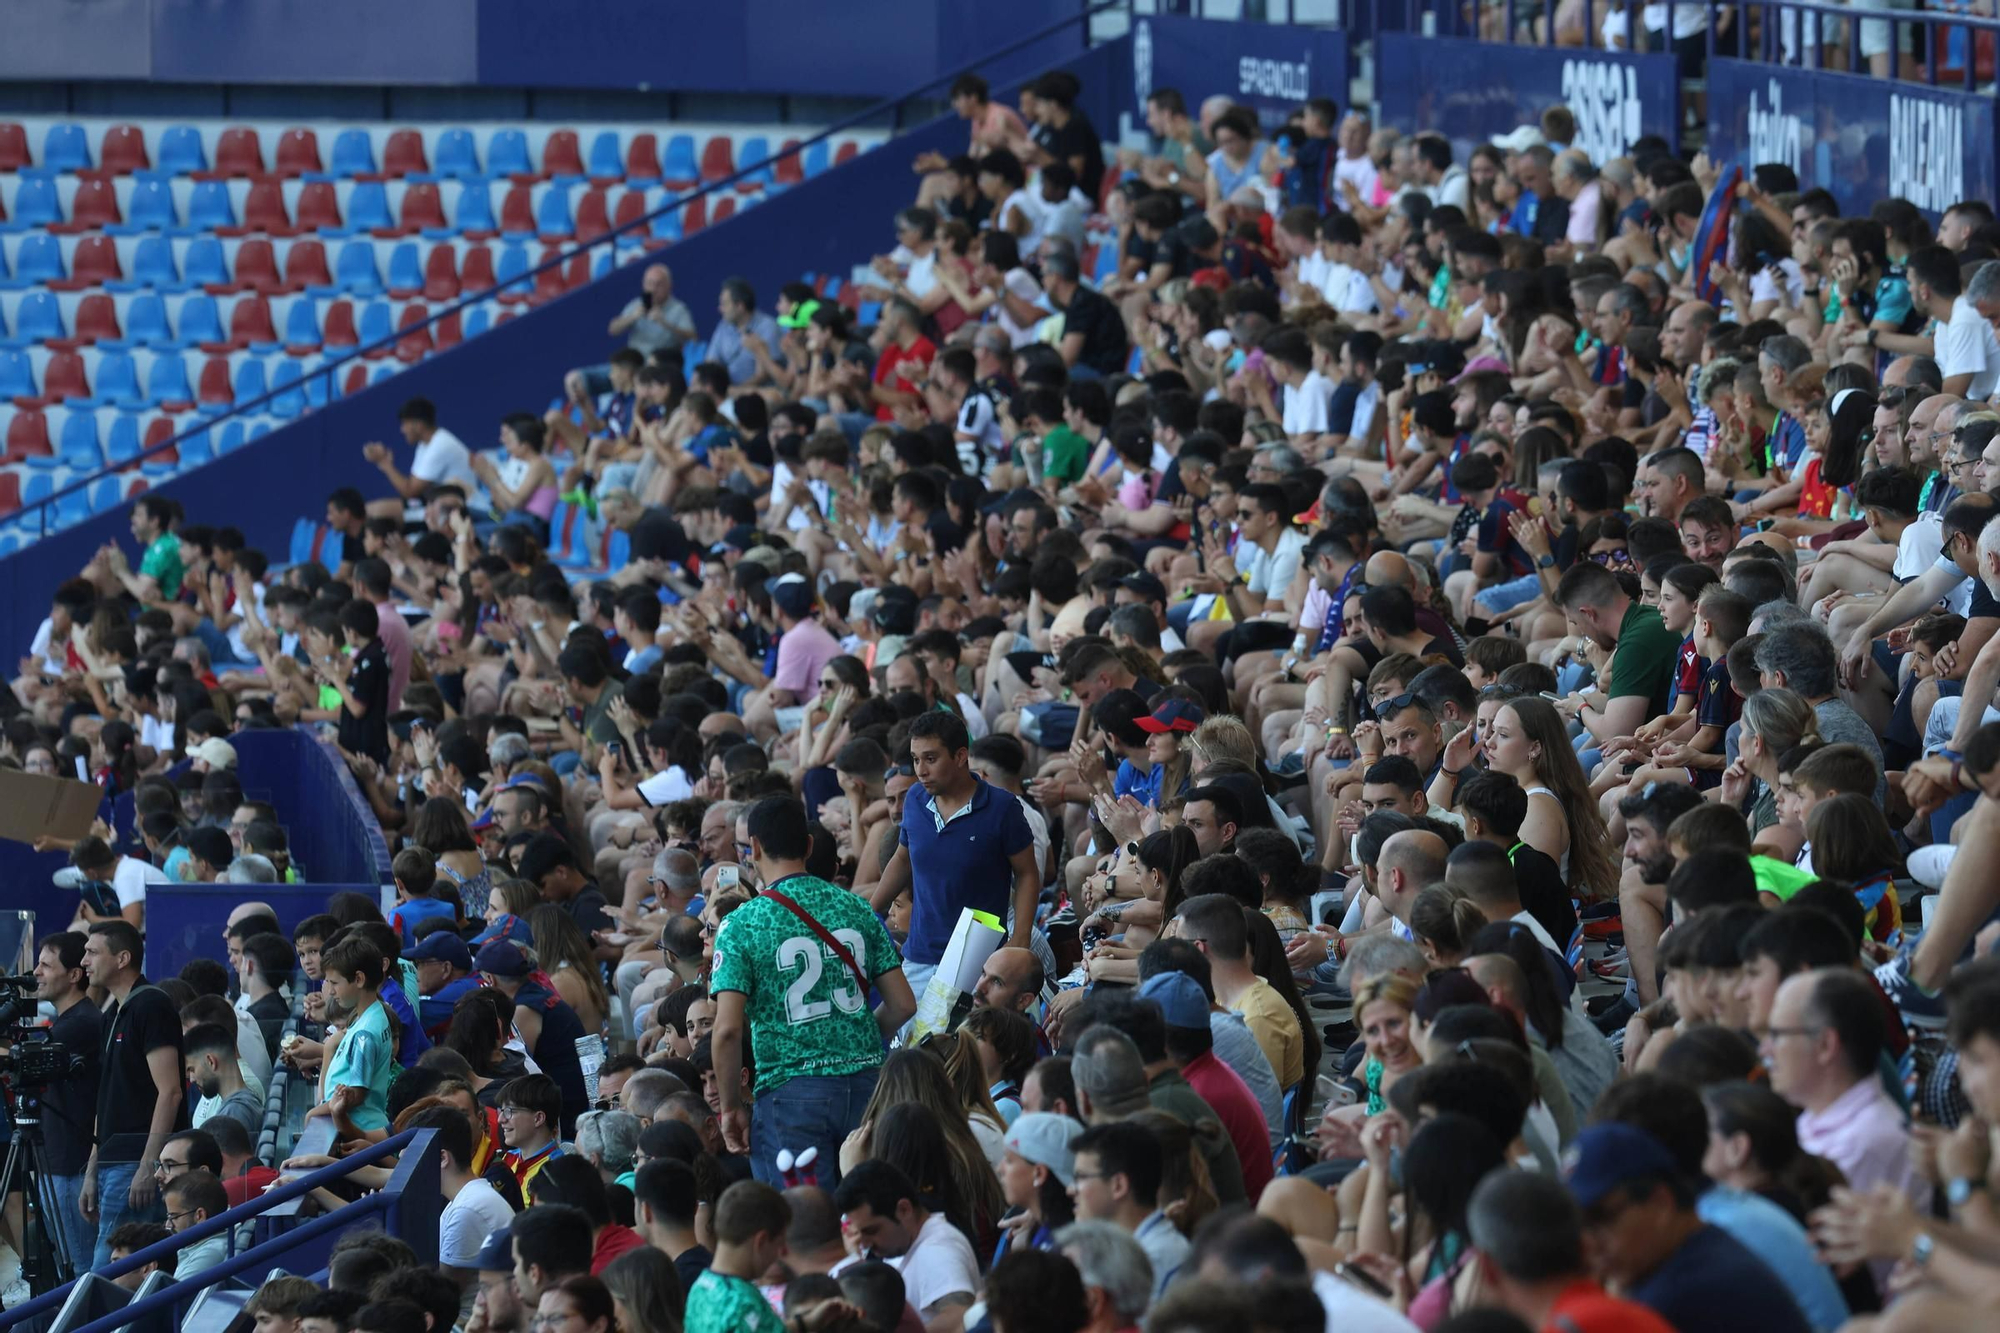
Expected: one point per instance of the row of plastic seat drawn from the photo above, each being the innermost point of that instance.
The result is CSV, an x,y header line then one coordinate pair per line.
x,y
239,154
86,442
32,486
370,207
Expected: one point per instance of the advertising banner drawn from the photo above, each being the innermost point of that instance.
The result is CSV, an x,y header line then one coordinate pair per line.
x,y
1268,67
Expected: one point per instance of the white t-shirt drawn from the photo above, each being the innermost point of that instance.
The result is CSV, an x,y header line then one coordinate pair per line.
x,y
130,879
1364,410
1312,269
1346,289
1919,547
978,432
920,275
1966,346
1763,287
1306,404
468,1220
800,518
1066,218
444,459
1352,1310
1359,170
667,787
939,1263
51,665
1271,575
1030,207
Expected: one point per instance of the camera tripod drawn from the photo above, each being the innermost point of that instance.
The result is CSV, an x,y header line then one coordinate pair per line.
x,y
45,1262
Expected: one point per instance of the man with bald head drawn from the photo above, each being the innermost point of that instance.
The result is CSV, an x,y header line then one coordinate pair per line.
x,y
1924,443
655,320
1908,371
1011,979
1584,1060
1410,862
1392,568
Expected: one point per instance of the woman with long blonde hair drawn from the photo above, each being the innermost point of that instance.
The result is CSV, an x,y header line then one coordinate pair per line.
x,y
1529,743
919,1077
565,954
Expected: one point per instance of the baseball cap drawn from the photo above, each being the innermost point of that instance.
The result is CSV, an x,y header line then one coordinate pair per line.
x,y
1046,1140
215,752
739,538
1181,999
1608,1155
441,946
1173,715
1146,585
1520,139
792,594
485,820
801,315
497,1254
501,959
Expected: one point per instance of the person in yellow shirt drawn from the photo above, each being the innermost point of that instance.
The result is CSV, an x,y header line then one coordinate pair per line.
x,y
1216,923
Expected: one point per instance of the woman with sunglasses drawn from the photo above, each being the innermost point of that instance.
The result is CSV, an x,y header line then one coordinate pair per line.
x,y
843,683
1144,887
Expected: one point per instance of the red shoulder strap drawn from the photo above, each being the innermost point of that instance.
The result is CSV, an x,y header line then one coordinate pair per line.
x,y
840,950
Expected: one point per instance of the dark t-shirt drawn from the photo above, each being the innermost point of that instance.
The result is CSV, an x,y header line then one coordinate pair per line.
x,y
68,1104
1104,342
368,682
555,1051
1543,894
1078,140
658,536
271,1013
587,910
1714,1284
692,1263
126,1093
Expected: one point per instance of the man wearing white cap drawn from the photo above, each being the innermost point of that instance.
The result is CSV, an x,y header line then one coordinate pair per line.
x,y
1037,1171
212,755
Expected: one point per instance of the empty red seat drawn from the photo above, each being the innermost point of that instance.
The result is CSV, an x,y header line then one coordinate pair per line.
x,y
447,333
158,431
14,155
319,206
65,378
263,211
578,269
250,322
257,267
718,158
239,152
476,273
357,380
789,168
214,385
642,157
725,208
423,210
27,436
305,266
10,493
415,344
631,207
338,329
592,215
94,263
96,318
403,155
694,215
848,152
123,151
549,282
298,152
441,274
561,155
517,211
95,205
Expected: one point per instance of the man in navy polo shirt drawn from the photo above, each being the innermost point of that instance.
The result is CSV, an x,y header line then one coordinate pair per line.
x,y
962,844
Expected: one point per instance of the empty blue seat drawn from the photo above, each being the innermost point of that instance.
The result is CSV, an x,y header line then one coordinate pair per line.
x,y
507,154
604,263
167,379
507,270
106,494
152,267
667,226
37,319
204,264
353,154
368,209
209,208
71,509
151,208
678,165
288,383
36,205
258,430
474,212
552,216
383,374
180,152
117,380
302,325
17,375
606,159
816,156
145,325
121,442
377,322
456,155
477,320
195,449
754,160
406,269
354,269
65,148
38,486
303,532
77,446
201,320
250,380
229,436
321,386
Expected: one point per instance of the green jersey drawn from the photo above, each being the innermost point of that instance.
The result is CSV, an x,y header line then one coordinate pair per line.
x,y
720,1304
1065,454
162,564
807,1014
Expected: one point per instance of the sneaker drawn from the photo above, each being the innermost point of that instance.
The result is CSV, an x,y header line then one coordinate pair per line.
x,y
1920,1008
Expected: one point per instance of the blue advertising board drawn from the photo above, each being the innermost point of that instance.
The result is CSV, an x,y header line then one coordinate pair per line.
x,y
1268,67
1863,139
1471,91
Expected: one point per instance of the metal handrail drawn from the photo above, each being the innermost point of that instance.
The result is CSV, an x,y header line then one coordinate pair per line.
x,y
216,1225
888,106
1928,19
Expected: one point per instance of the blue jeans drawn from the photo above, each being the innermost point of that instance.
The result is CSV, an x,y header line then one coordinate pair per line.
x,y
808,1112
114,1207
1506,596
79,1238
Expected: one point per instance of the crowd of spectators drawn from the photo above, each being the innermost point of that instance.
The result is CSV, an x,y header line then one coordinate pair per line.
x,y
1459,743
